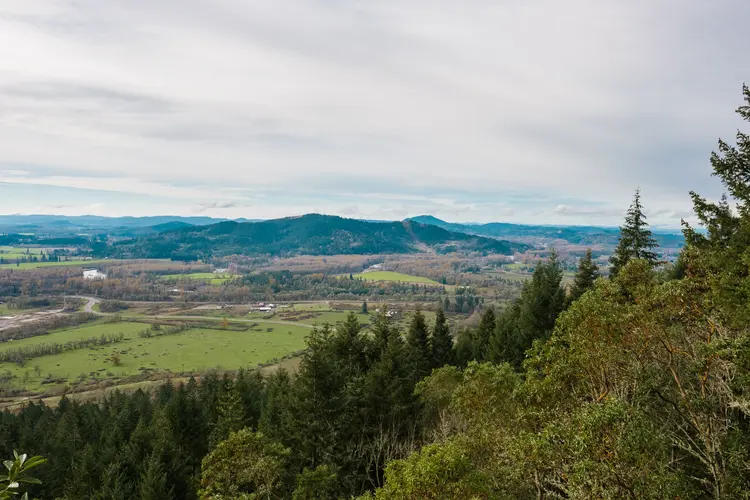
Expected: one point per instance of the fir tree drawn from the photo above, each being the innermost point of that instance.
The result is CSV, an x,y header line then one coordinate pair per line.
x,y
587,274
418,344
442,342
482,335
230,415
636,241
531,317
364,307
153,484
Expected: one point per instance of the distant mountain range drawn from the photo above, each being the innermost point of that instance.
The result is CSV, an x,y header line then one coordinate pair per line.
x,y
65,225
536,234
311,234
78,227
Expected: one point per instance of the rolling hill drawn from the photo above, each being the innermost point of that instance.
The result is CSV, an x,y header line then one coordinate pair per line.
x,y
311,234
535,234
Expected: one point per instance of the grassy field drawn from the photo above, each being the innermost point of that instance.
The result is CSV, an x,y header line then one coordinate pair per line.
x,y
312,306
212,278
86,331
17,252
196,349
36,265
391,276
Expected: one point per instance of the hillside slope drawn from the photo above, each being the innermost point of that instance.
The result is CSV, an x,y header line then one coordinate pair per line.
x,y
311,234
577,235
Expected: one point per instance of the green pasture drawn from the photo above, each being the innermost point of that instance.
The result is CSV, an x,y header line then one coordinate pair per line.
x,y
211,278
196,349
36,265
311,306
7,252
85,331
392,276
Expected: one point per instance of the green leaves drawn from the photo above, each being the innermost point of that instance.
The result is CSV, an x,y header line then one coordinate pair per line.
x,y
17,474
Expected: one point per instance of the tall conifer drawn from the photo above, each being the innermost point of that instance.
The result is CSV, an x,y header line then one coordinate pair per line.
x,y
636,241
587,274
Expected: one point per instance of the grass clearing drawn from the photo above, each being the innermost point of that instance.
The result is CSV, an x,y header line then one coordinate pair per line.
x,y
392,276
37,265
193,350
85,331
312,306
211,278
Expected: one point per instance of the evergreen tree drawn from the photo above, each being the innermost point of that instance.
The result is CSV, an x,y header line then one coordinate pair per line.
x,y
636,241
364,307
418,344
381,333
482,335
442,342
531,317
230,415
153,484
587,274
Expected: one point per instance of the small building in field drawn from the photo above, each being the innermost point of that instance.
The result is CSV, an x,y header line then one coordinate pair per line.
x,y
93,274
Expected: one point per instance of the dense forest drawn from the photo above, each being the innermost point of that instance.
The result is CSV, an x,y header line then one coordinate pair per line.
x,y
632,386
310,234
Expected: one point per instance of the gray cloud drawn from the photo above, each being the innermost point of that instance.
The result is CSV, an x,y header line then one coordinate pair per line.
x,y
507,109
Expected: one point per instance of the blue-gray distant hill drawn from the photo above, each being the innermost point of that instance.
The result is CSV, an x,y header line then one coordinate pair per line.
x,y
577,235
311,234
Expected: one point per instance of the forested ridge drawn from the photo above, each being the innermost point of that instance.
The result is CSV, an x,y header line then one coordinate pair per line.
x,y
311,234
632,386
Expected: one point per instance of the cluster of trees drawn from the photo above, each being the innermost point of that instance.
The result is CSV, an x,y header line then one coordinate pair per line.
x,y
640,390
264,286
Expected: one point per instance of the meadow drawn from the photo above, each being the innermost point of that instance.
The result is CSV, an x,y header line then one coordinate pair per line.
x,y
37,265
211,278
392,276
7,252
193,350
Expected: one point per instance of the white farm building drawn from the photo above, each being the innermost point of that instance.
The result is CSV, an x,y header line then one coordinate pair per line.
x,y
93,274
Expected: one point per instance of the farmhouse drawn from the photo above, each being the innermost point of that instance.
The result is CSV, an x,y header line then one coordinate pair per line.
x,y
93,274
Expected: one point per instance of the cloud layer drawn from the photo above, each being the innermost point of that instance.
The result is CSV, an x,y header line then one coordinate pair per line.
x,y
530,111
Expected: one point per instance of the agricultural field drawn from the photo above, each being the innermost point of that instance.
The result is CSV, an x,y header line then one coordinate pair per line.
x,y
7,252
392,276
211,278
192,350
37,265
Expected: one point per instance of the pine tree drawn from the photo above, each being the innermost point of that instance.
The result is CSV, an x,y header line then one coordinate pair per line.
x,y
230,413
418,345
381,333
721,254
531,317
442,342
153,484
636,241
364,307
482,335
587,274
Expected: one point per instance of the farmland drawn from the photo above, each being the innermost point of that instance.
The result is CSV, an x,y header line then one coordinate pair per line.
x,y
392,276
211,278
191,350
13,253
37,265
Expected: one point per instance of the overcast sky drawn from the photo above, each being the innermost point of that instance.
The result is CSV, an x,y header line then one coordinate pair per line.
x,y
539,111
